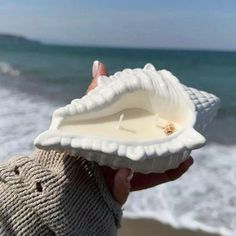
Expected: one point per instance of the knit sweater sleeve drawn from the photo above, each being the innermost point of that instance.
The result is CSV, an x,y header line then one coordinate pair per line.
x,y
51,193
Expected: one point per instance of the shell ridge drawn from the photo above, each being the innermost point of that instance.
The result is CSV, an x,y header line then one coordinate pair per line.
x,y
203,108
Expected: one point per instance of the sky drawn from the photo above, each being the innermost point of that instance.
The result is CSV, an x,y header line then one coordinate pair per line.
x,y
198,24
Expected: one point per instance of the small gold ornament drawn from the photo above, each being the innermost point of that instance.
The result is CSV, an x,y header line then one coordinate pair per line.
x,y
169,128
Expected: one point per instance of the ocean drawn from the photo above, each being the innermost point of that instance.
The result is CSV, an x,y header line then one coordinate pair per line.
x,y
35,79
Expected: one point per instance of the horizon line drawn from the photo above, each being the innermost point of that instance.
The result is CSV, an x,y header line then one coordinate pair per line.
x,y
135,47
67,44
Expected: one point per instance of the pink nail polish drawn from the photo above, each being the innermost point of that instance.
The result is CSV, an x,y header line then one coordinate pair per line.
x,y
95,68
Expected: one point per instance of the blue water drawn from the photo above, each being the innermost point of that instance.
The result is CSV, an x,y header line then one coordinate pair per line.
x,y
36,78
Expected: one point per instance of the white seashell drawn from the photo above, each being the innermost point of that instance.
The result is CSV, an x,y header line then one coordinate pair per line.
x,y
158,93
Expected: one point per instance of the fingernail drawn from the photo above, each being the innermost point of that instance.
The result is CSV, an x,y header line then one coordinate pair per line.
x,y
130,176
95,68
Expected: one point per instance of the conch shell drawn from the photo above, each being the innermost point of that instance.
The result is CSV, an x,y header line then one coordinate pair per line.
x,y
157,91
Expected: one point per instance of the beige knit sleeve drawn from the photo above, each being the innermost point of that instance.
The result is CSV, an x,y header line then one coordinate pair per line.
x,y
51,193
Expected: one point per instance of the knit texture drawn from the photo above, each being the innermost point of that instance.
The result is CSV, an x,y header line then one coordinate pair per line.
x,y
52,193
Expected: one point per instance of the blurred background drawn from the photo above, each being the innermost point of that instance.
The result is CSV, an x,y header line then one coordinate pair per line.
x,y
47,48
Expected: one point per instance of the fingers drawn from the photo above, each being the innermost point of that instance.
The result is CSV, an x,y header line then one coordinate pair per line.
x,y
98,69
176,173
121,186
142,181
109,175
118,181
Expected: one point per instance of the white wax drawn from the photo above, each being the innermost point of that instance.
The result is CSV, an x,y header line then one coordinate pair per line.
x,y
137,124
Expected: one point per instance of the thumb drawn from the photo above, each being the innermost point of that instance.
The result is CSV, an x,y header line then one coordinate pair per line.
x,y
98,69
121,186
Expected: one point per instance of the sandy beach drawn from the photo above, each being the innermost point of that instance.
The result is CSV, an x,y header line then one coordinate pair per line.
x,y
141,227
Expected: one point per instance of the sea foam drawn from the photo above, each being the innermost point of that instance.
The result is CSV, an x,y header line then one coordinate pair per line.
x,y
7,69
204,198
22,117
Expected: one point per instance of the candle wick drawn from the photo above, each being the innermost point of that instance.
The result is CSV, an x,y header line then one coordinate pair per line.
x,y
160,122
120,120
157,117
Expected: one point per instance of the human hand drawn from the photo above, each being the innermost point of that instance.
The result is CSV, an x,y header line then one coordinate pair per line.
x,y
122,181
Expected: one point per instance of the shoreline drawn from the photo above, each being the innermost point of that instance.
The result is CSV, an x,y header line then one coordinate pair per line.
x,y
149,227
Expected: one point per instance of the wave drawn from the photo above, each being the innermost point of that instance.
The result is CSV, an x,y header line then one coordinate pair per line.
x,y
7,69
21,122
203,199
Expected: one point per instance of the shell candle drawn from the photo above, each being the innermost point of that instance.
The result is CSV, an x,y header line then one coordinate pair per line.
x,y
142,119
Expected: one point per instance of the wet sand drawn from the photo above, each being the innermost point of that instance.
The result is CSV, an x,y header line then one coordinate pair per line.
x,y
146,227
